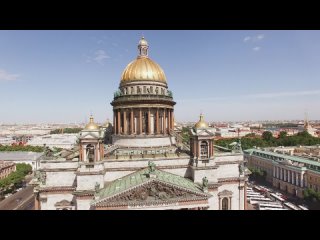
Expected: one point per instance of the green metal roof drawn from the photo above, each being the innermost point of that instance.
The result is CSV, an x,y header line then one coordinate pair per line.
x,y
292,158
140,177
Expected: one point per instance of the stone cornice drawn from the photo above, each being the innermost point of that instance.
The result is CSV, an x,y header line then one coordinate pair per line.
x,y
214,185
204,168
90,173
84,193
228,162
58,169
57,189
231,180
139,168
151,203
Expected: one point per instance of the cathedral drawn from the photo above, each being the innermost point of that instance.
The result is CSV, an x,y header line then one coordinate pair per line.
x,y
139,162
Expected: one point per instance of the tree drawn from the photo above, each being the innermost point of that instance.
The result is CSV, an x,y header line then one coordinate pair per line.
x,y
303,134
250,135
283,134
267,136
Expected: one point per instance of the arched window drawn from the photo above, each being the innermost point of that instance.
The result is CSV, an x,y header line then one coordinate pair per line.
x,y
225,204
90,153
204,149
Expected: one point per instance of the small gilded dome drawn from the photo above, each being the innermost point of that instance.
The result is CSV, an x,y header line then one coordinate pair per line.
x,y
201,123
91,125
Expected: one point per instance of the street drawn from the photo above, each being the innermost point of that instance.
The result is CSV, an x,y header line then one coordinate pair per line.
x,y
21,200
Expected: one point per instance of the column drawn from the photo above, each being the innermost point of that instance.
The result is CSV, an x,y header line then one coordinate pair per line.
x,y
289,176
285,175
101,151
195,148
140,121
125,122
164,121
301,180
149,124
169,120
172,120
98,152
131,122
118,122
114,122
292,177
36,202
274,171
280,173
297,180
157,121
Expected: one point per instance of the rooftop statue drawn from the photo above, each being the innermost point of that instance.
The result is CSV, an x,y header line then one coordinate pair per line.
x,y
236,146
241,168
205,182
97,187
152,166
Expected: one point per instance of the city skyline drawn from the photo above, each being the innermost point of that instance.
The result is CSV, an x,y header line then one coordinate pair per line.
x,y
63,76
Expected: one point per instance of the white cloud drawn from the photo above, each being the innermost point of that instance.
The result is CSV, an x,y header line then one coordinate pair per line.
x,y
256,49
99,56
5,76
260,36
255,38
246,39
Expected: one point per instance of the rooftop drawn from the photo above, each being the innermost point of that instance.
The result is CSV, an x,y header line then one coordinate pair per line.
x,y
16,156
284,156
137,178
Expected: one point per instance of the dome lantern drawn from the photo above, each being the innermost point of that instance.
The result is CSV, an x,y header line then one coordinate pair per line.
x,y
143,47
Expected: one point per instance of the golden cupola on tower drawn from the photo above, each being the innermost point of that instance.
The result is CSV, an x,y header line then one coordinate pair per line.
x,y
201,123
143,68
91,125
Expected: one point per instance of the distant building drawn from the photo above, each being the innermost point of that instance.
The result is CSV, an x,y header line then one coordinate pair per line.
x,y
30,158
7,140
66,141
289,173
6,168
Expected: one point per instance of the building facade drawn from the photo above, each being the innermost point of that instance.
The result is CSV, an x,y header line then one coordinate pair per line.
x,y
142,167
6,168
31,158
288,173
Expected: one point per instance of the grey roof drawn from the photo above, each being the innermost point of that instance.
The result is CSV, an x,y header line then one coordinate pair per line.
x,y
19,156
289,157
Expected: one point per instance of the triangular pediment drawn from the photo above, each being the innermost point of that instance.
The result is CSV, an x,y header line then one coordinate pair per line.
x,y
89,135
153,191
205,133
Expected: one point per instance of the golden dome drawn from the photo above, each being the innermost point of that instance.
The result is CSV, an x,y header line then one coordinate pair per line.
x,y
143,68
201,123
91,125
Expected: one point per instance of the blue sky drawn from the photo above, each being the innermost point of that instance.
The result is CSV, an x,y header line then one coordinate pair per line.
x,y
62,76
